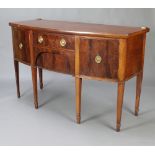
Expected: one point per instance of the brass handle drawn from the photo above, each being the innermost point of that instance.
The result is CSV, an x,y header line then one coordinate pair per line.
x,y
98,59
62,42
20,46
40,39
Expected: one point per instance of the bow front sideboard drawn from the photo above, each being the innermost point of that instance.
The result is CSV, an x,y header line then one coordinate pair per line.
x,y
86,51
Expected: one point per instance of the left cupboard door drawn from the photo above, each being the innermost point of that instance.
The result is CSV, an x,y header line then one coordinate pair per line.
x,y
20,45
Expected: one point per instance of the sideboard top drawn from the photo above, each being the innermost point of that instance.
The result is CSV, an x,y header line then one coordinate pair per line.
x,y
81,28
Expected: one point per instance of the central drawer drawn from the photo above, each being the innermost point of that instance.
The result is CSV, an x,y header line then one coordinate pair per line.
x,y
56,60
55,41
99,57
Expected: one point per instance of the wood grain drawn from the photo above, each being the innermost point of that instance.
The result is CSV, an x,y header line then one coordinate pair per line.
x,y
122,59
58,61
138,91
34,82
78,84
21,36
40,77
107,49
78,81
140,78
16,66
134,55
52,40
33,68
120,95
78,28
120,50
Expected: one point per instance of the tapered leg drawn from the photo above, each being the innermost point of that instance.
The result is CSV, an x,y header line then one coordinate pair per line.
x,y
78,82
40,78
120,96
16,65
34,82
138,91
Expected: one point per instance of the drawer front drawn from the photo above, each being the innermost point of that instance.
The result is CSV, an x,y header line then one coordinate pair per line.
x,y
55,41
20,45
59,61
99,57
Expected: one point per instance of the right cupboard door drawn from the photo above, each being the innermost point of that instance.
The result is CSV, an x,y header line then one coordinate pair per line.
x,y
99,57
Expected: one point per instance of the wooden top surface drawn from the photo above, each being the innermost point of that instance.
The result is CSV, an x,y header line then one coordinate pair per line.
x,y
81,28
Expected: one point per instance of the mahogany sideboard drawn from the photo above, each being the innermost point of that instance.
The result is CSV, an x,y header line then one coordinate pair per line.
x,y
86,51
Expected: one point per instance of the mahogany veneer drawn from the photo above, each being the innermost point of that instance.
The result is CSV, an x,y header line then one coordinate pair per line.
x,y
91,51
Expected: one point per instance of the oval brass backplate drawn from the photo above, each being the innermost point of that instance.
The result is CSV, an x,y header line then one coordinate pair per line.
x,y
62,42
20,46
40,39
98,59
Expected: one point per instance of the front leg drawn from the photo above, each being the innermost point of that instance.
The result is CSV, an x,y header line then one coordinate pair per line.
x,y
34,82
78,84
120,95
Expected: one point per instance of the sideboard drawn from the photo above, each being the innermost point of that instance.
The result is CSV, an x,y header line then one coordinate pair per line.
x,y
84,50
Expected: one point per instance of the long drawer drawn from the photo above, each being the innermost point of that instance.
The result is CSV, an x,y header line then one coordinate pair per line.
x,y
55,41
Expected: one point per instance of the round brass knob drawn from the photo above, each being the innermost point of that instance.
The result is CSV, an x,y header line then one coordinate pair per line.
x,y
62,42
20,46
40,39
98,59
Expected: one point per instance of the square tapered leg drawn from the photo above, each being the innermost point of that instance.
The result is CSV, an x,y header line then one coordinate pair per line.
x,y
78,82
40,78
34,82
120,95
16,66
138,91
